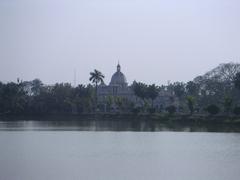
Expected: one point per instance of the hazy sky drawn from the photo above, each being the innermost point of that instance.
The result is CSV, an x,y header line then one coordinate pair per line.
x,y
154,40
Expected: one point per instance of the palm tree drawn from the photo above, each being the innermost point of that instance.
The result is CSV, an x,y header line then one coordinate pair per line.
x,y
96,77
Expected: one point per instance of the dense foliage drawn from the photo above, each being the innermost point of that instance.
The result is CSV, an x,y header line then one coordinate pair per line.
x,y
212,109
35,98
219,87
217,91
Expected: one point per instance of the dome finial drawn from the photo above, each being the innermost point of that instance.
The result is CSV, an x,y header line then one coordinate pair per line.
x,y
118,67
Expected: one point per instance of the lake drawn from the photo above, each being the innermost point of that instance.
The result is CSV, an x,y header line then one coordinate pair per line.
x,y
33,150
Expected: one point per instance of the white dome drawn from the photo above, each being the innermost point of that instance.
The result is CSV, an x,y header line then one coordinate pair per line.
x,y
118,78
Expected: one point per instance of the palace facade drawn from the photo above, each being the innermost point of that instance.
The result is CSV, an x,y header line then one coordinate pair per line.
x,y
119,88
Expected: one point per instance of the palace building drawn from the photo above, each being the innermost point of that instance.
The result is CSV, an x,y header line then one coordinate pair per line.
x,y
119,88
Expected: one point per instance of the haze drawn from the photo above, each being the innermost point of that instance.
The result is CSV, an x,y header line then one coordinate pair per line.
x,y
154,40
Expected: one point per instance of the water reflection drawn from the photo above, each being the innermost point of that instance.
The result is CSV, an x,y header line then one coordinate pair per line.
x,y
113,125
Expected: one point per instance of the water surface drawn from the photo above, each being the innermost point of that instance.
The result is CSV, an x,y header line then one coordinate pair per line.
x,y
58,154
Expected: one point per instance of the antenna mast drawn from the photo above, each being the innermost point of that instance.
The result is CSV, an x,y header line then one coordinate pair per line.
x,y
75,78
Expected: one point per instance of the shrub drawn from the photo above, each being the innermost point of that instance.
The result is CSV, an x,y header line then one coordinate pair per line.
x,y
171,109
136,110
236,110
212,109
151,110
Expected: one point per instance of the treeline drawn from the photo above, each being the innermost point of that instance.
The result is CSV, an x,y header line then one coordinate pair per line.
x,y
217,91
35,98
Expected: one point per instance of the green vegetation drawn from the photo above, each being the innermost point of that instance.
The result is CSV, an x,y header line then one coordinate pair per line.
x,y
227,104
35,98
96,77
171,109
190,103
146,92
237,80
213,109
216,93
236,110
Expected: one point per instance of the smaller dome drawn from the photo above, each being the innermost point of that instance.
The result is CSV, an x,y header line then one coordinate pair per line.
x,y
102,84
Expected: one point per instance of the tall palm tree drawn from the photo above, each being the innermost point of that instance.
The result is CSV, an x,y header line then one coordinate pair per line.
x,y
96,77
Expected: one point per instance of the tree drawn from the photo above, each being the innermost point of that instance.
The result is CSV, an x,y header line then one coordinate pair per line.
x,y
190,103
152,92
237,81
13,98
224,72
213,109
217,83
109,102
96,77
63,96
36,86
179,89
192,88
119,102
84,98
227,104
43,103
140,90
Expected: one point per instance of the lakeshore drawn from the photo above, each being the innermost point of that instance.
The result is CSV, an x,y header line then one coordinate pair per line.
x,y
126,122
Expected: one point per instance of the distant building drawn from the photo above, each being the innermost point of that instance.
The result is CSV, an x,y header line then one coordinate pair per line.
x,y
119,88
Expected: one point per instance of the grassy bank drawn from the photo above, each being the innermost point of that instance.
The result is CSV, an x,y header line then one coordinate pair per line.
x,y
126,122
184,118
